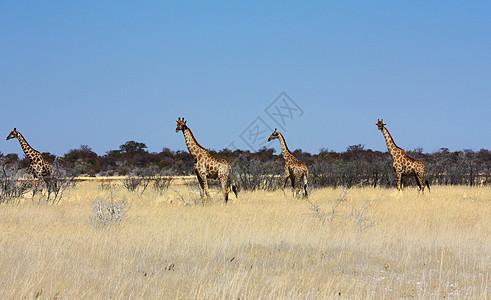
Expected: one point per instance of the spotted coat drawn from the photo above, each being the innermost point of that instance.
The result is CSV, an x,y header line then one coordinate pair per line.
x,y
295,170
402,163
205,165
39,167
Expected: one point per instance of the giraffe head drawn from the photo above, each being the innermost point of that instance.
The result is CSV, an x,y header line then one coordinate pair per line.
x,y
13,134
181,124
274,135
380,124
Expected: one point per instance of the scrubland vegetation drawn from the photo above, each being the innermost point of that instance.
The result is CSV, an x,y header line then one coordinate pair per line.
x,y
147,233
326,168
104,241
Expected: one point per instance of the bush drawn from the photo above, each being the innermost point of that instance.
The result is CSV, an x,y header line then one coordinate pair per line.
x,y
140,178
131,183
162,182
56,185
109,212
12,186
255,174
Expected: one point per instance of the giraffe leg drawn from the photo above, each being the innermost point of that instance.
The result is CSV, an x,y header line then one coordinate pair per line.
x,y
293,179
50,184
421,182
205,186
285,179
201,185
399,181
297,185
417,182
305,186
223,181
33,187
38,185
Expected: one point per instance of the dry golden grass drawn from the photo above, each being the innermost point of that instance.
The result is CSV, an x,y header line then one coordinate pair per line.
x,y
263,245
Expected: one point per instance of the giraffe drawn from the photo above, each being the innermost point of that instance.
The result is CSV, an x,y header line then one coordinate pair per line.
x,y
205,165
294,169
403,164
39,167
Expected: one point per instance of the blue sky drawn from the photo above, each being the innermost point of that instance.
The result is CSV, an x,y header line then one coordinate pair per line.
x,y
101,73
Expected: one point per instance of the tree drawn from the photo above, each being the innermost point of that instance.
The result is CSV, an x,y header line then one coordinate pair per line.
x,y
12,157
133,147
84,152
354,148
83,160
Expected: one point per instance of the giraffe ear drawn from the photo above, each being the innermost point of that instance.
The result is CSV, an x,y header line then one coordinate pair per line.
x,y
185,122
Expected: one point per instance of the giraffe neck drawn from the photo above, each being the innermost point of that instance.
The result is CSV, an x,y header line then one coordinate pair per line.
x,y
28,150
391,146
193,146
284,148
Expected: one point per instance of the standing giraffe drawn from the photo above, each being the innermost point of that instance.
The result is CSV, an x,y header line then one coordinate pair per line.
x,y
403,164
39,167
294,169
205,165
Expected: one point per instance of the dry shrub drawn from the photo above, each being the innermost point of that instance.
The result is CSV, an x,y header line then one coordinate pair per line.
x,y
58,184
254,174
109,211
12,187
342,211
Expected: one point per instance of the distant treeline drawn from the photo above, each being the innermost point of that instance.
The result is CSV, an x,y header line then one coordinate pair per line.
x,y
264,169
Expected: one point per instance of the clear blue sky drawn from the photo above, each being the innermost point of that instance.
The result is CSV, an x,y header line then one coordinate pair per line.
x,y
101,73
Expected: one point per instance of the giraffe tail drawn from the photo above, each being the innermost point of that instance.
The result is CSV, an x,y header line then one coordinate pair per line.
x,y
306,188
427,185
233,185
234,188
306,184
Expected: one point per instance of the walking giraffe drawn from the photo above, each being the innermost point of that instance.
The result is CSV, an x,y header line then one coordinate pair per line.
x,y
294,169
39,167
403,164
205,165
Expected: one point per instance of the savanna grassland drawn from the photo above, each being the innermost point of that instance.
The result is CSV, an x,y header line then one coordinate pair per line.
x,y
365,243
